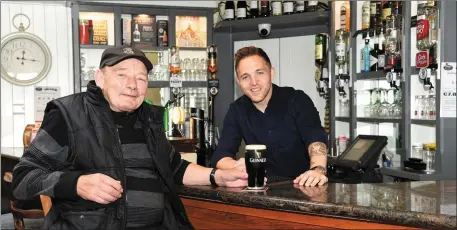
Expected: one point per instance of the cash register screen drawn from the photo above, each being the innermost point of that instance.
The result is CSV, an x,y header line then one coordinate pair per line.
x,y
358,149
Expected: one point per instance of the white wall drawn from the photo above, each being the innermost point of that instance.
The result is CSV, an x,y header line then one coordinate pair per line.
x,y
293,60
51,21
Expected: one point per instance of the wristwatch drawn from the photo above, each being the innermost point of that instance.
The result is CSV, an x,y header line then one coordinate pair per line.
x,y
211,177
322,169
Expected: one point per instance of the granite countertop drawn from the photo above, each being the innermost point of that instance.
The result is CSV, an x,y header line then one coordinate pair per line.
x,y
418,204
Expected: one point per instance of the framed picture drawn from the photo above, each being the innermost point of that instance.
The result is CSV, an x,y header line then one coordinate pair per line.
x,y
191,31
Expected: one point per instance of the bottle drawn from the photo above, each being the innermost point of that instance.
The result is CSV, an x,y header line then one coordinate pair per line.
x,y
91,32
432,17
366,56
345,14
241,12
276,8
381,51
174,60
321,50
254,9
288,7
379,21
136,34
374,55
264,8
366,10
212,59
229,10
386,10
392,49
341,42
300,6
165,38
312,6
373,8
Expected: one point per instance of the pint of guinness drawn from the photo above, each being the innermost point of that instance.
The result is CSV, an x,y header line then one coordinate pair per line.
x,y
255,165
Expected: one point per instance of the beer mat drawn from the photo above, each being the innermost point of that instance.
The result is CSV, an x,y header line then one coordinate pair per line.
x,y
255,190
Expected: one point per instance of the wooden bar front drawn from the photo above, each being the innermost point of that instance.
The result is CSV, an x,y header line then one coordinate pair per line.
x,y
212,215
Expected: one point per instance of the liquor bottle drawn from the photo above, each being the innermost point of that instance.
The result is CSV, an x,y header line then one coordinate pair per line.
x,y
241,11
366,56
382,49
136,34
321,50
341,43
276,8
345,16
343,12
288,7
229,13
392,47
300,6
422,28
174,60
264,8
212,59
366,15
374,55
254,9
386,10
373,8
312,6
432,17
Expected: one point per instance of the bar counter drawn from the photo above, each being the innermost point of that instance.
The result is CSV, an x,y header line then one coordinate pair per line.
x,y
401,205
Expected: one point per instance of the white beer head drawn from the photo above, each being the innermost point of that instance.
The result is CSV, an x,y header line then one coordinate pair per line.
x,y
256,148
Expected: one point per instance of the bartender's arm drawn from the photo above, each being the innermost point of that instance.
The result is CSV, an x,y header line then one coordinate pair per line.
x,y
225,154
314,136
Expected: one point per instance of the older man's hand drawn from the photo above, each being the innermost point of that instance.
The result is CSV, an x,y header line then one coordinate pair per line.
x,y
311,178
231,177
99,188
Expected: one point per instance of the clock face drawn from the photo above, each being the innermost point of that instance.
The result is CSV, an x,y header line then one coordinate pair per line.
x,y
25,59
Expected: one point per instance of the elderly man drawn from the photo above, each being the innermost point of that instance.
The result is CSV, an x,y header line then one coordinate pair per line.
x,y
103,158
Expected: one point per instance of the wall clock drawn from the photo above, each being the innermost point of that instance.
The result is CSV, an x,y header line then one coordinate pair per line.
x,y
25,58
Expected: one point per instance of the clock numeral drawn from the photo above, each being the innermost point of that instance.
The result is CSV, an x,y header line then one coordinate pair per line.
x,y
6,58
22,44
8,51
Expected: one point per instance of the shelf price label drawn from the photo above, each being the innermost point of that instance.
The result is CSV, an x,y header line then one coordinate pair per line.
x,y
448,89
175,82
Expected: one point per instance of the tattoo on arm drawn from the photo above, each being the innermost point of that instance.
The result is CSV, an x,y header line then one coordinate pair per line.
x,y
317,149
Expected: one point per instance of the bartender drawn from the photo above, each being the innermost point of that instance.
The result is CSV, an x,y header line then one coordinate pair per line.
x,y
282,118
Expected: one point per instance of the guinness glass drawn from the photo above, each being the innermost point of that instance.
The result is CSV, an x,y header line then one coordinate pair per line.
x,y
255,165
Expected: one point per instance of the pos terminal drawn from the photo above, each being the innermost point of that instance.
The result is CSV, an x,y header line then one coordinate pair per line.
x,y
358,162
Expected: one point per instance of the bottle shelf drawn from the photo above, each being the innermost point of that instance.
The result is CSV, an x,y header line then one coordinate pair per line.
x,y
166,84
375,75
95,46
318,19
343,119
378,120
423,122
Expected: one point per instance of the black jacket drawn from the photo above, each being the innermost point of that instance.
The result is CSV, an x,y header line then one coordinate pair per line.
x,y
94,147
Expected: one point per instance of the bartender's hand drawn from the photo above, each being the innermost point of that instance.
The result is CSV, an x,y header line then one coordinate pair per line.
x,y
311,178
318,193
231,178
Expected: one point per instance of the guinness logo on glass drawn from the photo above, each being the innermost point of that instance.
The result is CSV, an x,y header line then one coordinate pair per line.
x,y
255,161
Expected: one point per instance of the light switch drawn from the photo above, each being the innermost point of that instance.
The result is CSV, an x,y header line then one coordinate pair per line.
x,y
18,108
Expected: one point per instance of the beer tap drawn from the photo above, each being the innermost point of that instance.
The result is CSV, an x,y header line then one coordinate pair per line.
x,y
213,86
393,78
322,81
341,81
175,85
425,74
